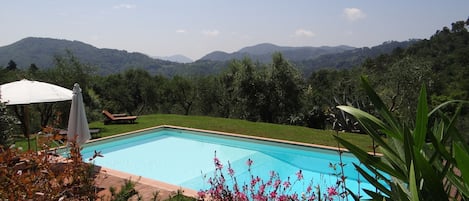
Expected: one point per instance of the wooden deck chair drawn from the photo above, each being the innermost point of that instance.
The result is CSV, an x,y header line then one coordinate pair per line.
x,y
110,118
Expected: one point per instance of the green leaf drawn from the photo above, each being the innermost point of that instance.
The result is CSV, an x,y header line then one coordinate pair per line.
x,y
371,124
380,107
375,195
432,179
354,196
408,148
437,108
395,161
456,180
370,160
372,180
462,157
413,184
420,131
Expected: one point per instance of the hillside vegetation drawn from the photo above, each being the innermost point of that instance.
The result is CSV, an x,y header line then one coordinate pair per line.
x,y
43,52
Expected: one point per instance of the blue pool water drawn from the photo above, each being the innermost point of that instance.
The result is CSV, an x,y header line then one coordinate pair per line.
x,y
182,157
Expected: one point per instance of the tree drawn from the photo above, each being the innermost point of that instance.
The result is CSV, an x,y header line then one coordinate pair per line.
x,y
208,95
286,84
251,89
133,92
33,68
182,93
228,90
11,66
67,71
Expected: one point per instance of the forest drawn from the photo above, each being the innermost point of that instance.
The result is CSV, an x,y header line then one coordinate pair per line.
x,y
276,92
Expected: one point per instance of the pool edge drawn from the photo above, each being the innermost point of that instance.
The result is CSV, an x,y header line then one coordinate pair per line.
x,y
187,191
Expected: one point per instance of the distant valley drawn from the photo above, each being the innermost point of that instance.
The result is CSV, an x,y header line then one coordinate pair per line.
x,y
42,51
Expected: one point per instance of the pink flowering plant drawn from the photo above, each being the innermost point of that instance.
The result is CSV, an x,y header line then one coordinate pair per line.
x,y
257,189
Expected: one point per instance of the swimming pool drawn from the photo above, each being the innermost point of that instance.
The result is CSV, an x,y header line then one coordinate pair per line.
x,y
181,157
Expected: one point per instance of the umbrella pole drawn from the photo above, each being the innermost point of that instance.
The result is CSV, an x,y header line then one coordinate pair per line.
x,y
22,112
26,123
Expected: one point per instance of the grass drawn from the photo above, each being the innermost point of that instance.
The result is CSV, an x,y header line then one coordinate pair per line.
x,y
275,131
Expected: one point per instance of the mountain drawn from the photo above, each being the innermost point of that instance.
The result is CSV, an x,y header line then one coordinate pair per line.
x,y
263,52
42,51
351,58
176,58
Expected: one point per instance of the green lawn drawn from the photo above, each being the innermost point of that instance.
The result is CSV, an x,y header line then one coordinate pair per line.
x,y
283,132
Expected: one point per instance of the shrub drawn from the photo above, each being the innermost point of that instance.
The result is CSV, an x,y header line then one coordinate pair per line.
x,y
5,127
45,176
427,162
272,189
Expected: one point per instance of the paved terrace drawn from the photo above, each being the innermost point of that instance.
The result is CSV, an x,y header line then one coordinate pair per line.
x,y
145,187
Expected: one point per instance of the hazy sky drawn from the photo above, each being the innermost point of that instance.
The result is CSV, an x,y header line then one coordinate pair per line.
x,y
197,27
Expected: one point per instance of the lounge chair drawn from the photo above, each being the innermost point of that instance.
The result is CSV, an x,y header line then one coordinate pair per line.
x,y
110,118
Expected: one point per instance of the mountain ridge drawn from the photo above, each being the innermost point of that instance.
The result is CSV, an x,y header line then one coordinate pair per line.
x,y
262,52
43,51
179,58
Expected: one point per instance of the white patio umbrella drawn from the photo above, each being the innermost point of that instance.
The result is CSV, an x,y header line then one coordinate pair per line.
x,y
77,123
25,92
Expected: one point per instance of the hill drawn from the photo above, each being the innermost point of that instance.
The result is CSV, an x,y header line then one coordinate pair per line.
x,y
263,53
351,58
41,51
176,58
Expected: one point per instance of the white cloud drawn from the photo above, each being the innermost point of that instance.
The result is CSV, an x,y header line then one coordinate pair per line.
x,y
125,6
211,32
304,33
353,14
181,31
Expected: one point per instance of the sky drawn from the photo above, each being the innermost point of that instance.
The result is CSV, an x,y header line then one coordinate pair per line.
x,y
194,28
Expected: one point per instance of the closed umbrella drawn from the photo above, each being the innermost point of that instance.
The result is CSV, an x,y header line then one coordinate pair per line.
x,y
25,92
78,129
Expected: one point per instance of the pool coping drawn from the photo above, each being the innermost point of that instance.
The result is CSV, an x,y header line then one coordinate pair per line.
x,y
187,191
224,134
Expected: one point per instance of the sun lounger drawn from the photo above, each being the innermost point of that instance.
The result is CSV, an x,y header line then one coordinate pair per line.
x,y
110,118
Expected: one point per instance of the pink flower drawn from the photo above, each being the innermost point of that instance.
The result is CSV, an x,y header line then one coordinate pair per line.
x,y
249,162
254,181
331,191
283,198
277,183
241,196
273,194
201,194
286,184
262,189
218,164
231,171
294,196
309,189
299,175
